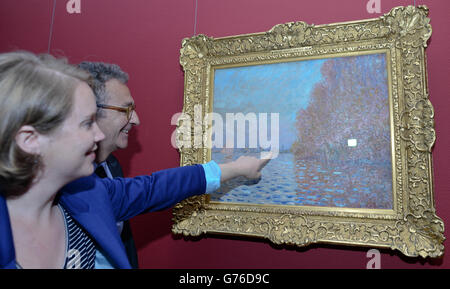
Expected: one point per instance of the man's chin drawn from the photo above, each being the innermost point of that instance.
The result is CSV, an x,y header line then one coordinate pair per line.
x,y
122,141
122,145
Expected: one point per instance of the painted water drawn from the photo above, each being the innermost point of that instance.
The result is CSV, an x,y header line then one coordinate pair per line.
x,y
286,181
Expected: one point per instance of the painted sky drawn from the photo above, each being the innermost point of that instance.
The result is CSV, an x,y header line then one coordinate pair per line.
x,y
281,88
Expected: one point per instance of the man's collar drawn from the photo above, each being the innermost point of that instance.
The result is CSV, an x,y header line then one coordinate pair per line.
x,y
105,166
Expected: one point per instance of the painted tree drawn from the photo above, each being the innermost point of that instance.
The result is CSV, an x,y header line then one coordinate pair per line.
x,y
351,102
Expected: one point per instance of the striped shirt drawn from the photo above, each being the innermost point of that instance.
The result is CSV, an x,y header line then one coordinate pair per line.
x,y
80,252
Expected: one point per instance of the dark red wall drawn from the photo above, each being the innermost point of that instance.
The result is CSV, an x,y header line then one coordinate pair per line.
x,y
144,38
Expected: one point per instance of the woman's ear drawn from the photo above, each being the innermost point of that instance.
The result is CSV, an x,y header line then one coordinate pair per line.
x,y
28,139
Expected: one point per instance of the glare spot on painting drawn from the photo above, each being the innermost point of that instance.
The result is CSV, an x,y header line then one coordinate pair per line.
x,y
352,142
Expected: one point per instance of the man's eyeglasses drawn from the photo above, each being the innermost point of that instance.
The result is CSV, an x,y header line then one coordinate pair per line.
x,y
128,110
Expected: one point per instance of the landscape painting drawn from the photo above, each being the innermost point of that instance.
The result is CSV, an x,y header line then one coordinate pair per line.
x,y
332,138
342,110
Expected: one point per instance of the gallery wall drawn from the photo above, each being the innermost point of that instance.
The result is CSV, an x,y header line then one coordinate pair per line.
x,y
144,38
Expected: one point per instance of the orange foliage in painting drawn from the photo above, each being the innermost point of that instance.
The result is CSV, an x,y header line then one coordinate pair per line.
x,y
351,102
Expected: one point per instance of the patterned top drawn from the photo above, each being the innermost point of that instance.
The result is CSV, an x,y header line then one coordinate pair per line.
x,y
80,252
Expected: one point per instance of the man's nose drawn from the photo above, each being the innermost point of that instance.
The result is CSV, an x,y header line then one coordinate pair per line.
x,y
135,118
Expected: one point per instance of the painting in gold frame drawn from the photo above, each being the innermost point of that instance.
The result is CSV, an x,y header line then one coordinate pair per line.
x,y
405,217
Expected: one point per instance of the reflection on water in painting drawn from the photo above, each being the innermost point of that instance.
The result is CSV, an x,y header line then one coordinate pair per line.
x,y
285,181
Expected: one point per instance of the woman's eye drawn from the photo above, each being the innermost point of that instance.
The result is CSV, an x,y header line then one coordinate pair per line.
x,y
89,123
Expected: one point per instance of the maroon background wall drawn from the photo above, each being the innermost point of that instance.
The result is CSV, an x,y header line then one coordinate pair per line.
x,y
144,38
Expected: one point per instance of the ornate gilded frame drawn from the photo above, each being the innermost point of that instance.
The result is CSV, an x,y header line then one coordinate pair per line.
x,y
412,227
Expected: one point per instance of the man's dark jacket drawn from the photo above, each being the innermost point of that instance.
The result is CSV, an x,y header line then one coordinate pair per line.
x,y
126,236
